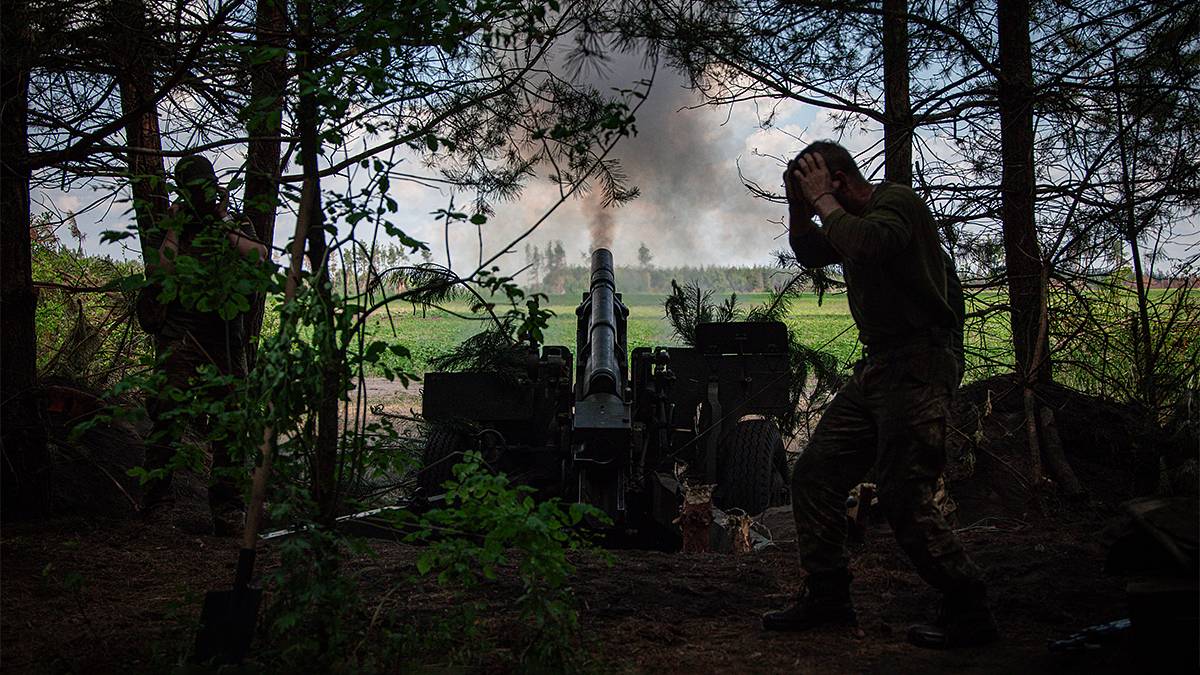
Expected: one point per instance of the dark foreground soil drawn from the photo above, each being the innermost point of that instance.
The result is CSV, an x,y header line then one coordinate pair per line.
x,y
81,596
100,592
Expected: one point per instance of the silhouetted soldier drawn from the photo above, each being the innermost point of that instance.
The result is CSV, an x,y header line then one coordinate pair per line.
x,y
891,415
199,227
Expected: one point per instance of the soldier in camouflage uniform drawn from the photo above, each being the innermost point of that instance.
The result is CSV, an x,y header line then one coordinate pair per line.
x,y
189,338
891,416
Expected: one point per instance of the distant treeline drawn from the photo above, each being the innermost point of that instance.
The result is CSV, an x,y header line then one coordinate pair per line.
x,y
574,279
554,276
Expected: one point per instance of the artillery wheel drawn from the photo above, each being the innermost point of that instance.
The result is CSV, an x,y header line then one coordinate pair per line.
x,y
749,478
443,449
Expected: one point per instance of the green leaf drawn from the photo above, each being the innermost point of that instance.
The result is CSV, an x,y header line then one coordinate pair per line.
x,y
374,350
110,236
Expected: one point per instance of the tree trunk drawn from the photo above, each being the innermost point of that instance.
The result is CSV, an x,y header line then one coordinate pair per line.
x,y
324,475
1056,458
1144,341
1023,257
897,112
24,466
134,63
261,197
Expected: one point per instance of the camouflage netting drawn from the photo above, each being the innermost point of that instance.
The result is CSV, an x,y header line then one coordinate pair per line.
x,y
89,473
1116,451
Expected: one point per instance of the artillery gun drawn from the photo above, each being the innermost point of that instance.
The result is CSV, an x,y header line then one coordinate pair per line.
x,y
622,431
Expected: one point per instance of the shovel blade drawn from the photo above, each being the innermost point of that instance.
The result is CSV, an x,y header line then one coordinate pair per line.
x,y
227,624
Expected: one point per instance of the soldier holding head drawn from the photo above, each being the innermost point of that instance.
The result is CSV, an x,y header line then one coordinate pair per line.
x,y
192,334
891,415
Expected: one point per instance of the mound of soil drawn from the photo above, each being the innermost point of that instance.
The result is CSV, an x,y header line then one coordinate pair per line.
x,y
1113,448
89,471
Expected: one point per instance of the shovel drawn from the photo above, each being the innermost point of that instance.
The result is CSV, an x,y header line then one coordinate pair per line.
x,y
228,619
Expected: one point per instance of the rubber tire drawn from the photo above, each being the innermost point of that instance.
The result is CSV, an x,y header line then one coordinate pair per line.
x,y
437,461
748,478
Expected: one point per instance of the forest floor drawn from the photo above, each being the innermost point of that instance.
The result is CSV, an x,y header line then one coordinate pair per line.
x,y
103,596
97,593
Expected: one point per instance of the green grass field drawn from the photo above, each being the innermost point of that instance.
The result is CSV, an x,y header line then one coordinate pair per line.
x,y
827,326
429,333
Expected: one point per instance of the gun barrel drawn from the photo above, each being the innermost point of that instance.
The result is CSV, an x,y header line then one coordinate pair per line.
x,y
603,373
601,424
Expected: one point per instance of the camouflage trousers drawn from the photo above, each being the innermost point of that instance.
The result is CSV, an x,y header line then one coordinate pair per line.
x,y
890,416
179,360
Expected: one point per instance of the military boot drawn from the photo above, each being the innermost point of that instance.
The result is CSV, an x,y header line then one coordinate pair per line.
x,y
823,601
963,621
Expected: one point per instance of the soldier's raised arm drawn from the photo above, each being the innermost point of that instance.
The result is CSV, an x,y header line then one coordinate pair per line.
x,y
247,245
809,244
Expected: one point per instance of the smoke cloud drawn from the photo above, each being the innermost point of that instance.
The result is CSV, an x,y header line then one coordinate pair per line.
x,y
692,208
601,224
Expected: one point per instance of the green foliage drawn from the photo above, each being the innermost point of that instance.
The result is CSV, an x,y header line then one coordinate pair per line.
x,y
213,277
815,372
688,306
466,88
85,331
505,345
431,333
1103,349
529,322
490,351
488,525
317,613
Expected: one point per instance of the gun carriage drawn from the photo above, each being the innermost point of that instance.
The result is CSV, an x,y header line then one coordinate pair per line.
x,y
621,431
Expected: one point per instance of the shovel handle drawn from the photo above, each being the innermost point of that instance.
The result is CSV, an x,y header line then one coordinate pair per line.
x,y
309,204
245,569
258,491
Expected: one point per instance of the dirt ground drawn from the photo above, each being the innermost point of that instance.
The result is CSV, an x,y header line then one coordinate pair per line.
x,y
82,596
100,592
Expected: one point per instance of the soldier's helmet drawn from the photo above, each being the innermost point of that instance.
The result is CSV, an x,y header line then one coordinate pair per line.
x,y
197,182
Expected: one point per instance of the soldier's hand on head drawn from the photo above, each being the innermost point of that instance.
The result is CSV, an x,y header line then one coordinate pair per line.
x,y
798,206
813,176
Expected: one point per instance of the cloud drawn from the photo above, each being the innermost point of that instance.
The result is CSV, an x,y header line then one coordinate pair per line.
x,y
693,208
685,159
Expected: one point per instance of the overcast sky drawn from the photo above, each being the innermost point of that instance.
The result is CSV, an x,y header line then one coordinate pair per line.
x,y
693,209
